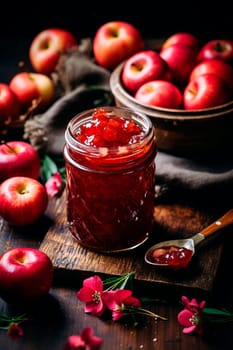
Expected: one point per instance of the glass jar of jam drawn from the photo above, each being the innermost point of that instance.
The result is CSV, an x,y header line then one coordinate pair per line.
x,y
110,178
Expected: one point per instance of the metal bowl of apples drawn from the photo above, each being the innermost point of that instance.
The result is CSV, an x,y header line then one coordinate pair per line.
x,y
196,121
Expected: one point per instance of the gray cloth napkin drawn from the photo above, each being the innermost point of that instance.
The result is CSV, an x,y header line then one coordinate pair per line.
x,y
173,172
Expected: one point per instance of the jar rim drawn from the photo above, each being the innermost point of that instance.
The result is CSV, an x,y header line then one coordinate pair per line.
x,y
127,113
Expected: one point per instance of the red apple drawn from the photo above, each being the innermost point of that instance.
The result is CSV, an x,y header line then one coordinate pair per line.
x,y
26,275
206,91
143,67
160,93
23,200
47,47
9,105
214,66
116,41
183,38
18,158
217,48
33,89
181,59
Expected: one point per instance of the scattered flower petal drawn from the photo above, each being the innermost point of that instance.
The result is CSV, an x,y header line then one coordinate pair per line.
x,y
191,317
54,185
74,342
85,341
14,331
190,321
93,341
118,302
11,324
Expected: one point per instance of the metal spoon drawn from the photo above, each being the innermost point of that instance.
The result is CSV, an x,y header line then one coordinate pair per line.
x,y
186,243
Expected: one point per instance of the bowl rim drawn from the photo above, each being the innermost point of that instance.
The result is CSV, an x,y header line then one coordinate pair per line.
x,y
123,96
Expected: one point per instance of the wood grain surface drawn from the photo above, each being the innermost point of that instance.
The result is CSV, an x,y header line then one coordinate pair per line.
x,y
170,221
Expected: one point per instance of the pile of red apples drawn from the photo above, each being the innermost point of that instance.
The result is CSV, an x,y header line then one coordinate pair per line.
x,y
23,198
184,74
27,272
33,90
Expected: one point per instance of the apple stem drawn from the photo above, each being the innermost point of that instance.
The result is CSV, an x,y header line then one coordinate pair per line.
x,y
7,145
32,109
22,65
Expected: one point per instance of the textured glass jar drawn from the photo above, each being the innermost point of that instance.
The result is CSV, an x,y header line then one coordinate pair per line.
x,y
110,190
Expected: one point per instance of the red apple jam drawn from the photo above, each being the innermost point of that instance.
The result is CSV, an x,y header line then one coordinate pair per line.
x,y
176,257
110,168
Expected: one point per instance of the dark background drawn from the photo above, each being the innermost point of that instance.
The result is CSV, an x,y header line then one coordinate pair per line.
x,y
21,21
155,18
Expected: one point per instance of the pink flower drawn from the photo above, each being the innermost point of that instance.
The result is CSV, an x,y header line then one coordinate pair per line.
x,y
120,302
91,293
191,316
86,340
54,185
14,331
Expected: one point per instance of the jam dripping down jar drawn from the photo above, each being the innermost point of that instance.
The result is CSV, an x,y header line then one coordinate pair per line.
x,y
110,178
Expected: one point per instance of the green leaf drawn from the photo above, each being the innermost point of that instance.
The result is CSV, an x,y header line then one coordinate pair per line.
x,y
7,319
63,173
120,282
148,300
48,167
219,312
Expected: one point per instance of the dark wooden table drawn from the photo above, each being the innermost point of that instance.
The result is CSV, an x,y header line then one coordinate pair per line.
x,y
60,314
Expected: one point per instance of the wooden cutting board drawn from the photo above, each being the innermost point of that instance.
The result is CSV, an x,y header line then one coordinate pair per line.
x,y
171,221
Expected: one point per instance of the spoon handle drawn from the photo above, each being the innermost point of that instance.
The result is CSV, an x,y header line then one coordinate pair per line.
x,y
223,221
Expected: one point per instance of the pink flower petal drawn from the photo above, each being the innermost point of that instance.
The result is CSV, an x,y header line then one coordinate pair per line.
x,y
184,317
14,331
117,315
85,294
188,330
91,293
74,342
109,299
86,340
96,309
93,282
93,341
194,303
54,185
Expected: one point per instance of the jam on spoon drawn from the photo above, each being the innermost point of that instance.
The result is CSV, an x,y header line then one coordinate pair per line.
x,y
177,253
172,255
